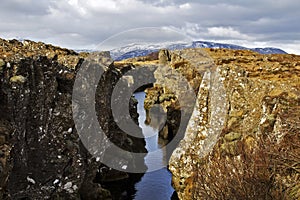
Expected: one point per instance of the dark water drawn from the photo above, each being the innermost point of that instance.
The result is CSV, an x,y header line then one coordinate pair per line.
x,y
155,185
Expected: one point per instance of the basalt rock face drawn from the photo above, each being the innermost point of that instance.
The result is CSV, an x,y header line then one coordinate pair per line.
x,y
42,156
243,138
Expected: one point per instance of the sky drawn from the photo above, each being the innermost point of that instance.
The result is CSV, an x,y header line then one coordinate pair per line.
x,y
83,24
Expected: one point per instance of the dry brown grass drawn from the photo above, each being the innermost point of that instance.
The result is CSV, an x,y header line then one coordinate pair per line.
x,y
270,170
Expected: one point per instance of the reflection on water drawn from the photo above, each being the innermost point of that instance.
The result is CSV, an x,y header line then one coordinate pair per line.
x,y
154,185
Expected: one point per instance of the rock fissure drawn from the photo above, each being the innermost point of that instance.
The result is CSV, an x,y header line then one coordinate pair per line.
x,y
240,123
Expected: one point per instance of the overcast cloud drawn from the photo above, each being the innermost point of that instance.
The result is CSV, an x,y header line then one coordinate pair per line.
x,y
85,23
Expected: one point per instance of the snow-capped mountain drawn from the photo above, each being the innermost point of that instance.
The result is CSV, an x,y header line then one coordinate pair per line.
x,y
135,50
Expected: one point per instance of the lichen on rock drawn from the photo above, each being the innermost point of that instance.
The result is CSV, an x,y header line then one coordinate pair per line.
x,y
17,79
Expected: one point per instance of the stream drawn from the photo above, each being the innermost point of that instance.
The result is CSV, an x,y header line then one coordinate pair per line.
x,y
155,185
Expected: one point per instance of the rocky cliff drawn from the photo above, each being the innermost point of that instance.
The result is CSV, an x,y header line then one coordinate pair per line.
x,y
242,139
42,156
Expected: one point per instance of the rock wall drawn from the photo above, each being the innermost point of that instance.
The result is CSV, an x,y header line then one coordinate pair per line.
x,y
41,152
178,76
242,141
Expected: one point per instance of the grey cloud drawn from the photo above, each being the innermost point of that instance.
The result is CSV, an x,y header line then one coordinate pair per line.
x,y
27,7
59,22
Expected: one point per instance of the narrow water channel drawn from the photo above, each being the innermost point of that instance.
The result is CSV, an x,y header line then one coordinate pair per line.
x,y
155,185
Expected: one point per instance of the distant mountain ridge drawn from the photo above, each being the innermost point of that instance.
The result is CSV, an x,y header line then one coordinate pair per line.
x,y
135,50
